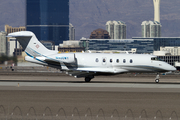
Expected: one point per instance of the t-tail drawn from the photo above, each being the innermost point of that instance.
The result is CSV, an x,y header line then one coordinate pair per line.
x,y
36,51
31,45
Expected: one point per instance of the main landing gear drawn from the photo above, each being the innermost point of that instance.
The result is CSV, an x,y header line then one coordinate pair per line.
x,y
157,78
88,79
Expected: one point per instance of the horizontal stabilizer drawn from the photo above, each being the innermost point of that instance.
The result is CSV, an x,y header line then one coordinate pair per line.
x,y
21,34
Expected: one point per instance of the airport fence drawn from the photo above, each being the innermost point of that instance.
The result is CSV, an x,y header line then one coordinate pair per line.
x,y
61,114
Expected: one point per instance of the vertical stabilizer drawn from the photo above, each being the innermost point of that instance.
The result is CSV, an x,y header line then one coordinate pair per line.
x,y
31,45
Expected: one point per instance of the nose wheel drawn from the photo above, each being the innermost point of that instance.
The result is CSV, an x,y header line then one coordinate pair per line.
x,y
157,78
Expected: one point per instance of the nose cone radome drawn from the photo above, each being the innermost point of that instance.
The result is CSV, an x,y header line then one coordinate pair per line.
x,y
173,68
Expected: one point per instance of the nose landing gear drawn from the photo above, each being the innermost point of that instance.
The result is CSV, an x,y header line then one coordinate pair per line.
x,y
157,78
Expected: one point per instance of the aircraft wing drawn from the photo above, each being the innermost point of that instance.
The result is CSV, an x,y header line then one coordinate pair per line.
x,y
104,70
83,72
52,62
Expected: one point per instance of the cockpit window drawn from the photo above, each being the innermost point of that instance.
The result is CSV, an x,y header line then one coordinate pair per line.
x,y
153,58
156,59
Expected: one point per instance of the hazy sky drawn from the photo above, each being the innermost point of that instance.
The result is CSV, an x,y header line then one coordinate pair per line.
x,y
88,15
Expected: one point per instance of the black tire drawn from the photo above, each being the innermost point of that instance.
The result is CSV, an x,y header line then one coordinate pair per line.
x,y
87,79
157,80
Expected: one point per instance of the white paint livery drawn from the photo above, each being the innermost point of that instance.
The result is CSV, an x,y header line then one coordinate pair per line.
x,y
88,65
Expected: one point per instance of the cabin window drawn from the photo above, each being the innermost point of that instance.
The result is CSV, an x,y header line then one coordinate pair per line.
x,y
124,60
117,60
97,60
131,61
104,60
111,60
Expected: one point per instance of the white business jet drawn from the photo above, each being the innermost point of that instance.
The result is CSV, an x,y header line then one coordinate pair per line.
x,y
88,65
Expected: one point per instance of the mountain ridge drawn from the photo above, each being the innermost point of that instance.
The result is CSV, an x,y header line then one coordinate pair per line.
x,y
132,12
88,15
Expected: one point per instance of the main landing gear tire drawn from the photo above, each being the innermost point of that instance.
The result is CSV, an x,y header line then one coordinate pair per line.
x,y
157,80
87,79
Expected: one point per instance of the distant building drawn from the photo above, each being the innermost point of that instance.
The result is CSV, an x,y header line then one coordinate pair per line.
x,y
70,43
71,32
99,34
70,49
156,10
132,51
151,29
163,42
10,29
13,46
70,46
141,45
3,43
161,53
17,52
48,44
48,19
116,29
171,50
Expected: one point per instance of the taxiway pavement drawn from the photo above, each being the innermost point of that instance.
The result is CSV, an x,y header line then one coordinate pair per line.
x,y
58,95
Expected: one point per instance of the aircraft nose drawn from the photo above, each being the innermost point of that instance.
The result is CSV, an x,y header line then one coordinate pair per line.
x,y
173,68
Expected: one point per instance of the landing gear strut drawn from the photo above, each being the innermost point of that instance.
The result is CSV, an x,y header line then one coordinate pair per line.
x,y
157,78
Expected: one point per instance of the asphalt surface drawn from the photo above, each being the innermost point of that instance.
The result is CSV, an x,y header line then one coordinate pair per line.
x,y
58,96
